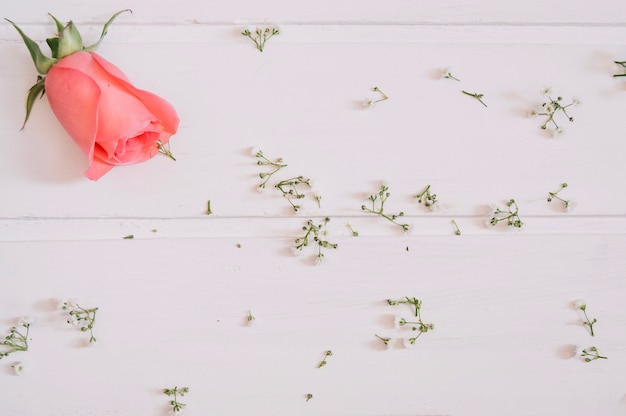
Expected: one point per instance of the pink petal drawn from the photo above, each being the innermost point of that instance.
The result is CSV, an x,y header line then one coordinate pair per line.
x,y
73,97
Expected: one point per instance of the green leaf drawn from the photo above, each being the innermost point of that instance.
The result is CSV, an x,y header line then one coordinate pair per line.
x,y
42,62
38,89
96,45
70,41
53,43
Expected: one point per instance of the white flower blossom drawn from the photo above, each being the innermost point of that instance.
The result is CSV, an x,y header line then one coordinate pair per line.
x,y
18,368
397,321
546,90
576,102
558,132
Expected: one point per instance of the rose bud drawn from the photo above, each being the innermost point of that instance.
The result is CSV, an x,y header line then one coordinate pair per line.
x,y
110,120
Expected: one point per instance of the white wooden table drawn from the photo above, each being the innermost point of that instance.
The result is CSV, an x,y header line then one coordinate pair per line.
x,y
175,299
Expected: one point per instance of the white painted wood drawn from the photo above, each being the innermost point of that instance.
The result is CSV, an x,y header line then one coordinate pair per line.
x,y
174,299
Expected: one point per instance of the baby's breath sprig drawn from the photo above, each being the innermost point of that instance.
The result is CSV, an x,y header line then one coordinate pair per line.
x,y
352,230
457,230
289,189
251,320
316,233
426,197
17,340
510,215
381,197
591,354
477,96
623,68
445,73
276,165
165,149
551,108
416,325
177,406
323,362
555,194
261,36
587,322
383,97
77,315
385,340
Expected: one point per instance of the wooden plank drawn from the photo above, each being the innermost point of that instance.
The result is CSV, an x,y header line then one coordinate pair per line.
x,y
173,312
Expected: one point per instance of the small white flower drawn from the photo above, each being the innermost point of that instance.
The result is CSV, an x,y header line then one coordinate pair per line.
x,y
576,102
318,260
255,151
532,113
18,368
578,303
367,103
25,321
397,321
546,91
409,230
71,319
296,251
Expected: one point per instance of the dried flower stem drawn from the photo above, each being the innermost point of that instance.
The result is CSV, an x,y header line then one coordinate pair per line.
x,y
457,230
555,195
587,322
426,197
16,340
318,234
165,150
289,189
509,215
382,94
591,354
176,405
264,161
323,362
381,198
475,95
261,36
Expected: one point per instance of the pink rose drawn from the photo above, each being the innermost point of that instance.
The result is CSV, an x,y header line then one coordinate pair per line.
x,y
111,121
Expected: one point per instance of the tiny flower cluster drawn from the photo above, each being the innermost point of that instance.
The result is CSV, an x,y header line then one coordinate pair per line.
x,y
370,103
291,188
416,324
177,407
323,362
17,340
379,199
316,233
551,108
426,198
261,36
555,195
510,215
79,316
591,353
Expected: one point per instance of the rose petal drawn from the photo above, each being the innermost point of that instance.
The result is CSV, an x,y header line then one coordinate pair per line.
x,y
162,109
73,97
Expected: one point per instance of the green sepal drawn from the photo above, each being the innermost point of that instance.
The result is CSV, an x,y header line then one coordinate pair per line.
x,y
57,22
70,41
38,89
96,45
42,62
53,44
